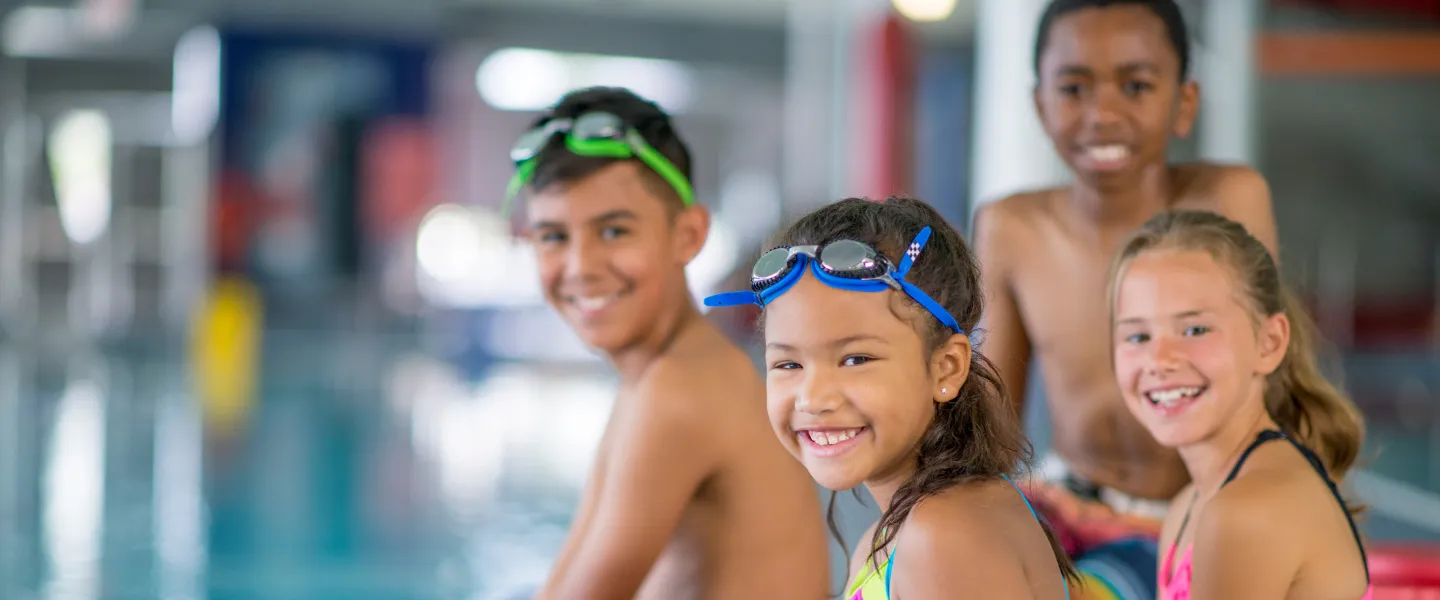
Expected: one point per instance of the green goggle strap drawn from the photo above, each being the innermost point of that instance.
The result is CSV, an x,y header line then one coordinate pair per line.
x,y
634,145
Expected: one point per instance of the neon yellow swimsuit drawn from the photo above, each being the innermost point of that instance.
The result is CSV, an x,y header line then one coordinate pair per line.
x,y
874,584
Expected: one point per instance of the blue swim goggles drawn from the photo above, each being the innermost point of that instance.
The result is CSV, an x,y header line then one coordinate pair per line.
x,y
841,264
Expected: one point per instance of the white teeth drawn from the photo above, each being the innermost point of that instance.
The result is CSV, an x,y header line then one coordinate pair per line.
x,y
1111,153
832,437
1172,395
593,303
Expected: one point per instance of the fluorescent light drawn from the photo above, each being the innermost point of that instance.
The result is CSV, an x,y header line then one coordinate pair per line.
x,y
468,259
528,79
195,102
79,152
925,10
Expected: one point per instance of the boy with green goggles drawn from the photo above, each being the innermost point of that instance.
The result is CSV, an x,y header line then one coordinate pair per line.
x,y
689,477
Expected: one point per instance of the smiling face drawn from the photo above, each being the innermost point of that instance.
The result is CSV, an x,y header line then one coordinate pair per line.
x,y
1110,92
612,258
847,386
1189,356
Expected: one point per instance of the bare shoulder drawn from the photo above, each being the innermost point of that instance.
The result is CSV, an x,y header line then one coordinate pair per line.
x,y
1253,508
1015,212
965,518
1238,192
962,536
705,387
687,386
1003,223
1220,186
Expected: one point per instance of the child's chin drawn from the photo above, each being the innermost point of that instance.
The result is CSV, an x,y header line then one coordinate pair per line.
x,y
835,482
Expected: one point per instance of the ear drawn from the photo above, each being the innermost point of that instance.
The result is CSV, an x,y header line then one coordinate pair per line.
x,y
950,366
692,228
1187,109
1274,340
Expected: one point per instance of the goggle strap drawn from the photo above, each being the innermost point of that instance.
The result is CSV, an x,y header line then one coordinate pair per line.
x,y
661,165
786,282
517,183
934,307
912,253
732,299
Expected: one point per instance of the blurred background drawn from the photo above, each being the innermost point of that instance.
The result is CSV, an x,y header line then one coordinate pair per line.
x,y
264,335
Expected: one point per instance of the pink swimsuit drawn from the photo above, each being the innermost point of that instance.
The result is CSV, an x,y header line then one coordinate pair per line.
x,y
1175,576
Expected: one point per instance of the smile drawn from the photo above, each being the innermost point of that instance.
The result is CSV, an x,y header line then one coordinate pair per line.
x,y
1172,400
1107,156
590,306
830,442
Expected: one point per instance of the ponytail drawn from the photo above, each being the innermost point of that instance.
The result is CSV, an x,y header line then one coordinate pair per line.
x,y
1306,404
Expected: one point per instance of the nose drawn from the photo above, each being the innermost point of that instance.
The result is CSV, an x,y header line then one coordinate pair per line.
x,y
582,257
817,393
1103,110
1165,355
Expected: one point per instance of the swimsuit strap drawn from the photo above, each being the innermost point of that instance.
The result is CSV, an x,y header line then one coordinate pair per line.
x,y
890,571
1265,436
1319,467
1064,583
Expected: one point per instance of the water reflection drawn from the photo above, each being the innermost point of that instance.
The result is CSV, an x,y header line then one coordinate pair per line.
x,y
74,490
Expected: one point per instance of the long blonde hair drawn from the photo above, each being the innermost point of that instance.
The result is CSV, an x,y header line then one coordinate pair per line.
x,y
1297,395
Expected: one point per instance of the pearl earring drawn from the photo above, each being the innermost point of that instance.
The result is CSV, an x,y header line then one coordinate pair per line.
x,y
944,390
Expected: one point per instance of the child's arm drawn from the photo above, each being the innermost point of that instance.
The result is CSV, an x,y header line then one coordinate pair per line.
x,y
662,452
1242,550
1005,340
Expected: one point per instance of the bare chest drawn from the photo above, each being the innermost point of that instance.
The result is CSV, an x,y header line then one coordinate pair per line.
x,y
1061,294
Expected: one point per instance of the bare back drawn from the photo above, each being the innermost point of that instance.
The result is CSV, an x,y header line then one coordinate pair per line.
x,y
751,526
1045,266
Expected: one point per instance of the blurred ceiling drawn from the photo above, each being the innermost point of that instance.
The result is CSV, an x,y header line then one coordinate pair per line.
x,y
159,23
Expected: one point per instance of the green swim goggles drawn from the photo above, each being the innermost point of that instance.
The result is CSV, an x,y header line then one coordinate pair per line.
x,y
596,134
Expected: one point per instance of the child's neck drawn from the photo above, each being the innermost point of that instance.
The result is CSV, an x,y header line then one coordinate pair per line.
x,y
669,326
1125,207
883,488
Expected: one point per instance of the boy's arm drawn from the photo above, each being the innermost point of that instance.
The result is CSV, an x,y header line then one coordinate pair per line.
x,y
1244,197
1006,343
661,454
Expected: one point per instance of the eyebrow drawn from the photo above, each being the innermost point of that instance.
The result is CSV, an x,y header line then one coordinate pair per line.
x,y
838,343
1129,67
1189,314
612,215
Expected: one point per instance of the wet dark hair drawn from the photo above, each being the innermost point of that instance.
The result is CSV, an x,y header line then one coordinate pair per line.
x,y
557,165
978,435
1168,11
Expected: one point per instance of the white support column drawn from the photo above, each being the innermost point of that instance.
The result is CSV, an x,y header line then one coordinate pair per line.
x,y
819,76
810,75
1225,67
1011,152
